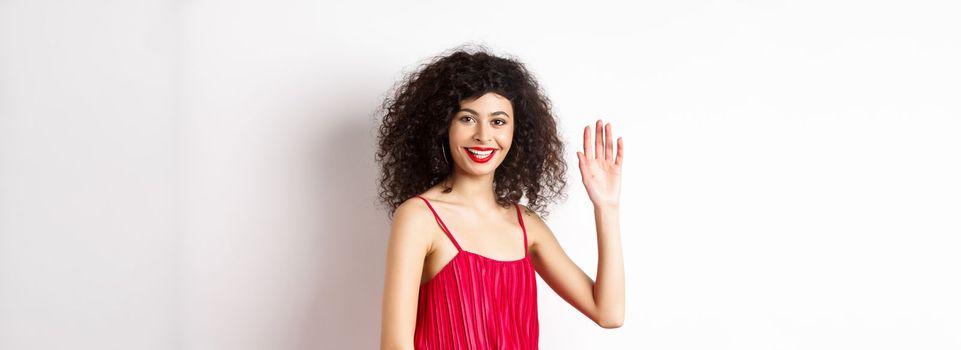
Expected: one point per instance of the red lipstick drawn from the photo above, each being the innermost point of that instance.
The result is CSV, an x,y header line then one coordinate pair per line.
x,y
482,157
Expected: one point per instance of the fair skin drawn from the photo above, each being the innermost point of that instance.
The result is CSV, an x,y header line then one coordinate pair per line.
x,y
418,248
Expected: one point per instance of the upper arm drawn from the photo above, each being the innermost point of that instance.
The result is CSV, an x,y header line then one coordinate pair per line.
x,y
408,245
557,269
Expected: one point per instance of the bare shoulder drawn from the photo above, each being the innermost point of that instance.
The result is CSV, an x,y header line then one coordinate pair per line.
x,y
536,228
411,209
411,224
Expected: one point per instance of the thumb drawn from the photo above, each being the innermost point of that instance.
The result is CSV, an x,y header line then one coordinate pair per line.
x,y
581,162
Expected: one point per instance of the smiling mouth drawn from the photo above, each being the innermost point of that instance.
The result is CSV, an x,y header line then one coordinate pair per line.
x,y
480,156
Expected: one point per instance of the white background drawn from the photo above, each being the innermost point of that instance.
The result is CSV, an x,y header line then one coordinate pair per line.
x,y
200,174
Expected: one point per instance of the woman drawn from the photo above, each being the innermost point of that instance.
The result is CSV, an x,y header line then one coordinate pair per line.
x,y
462,140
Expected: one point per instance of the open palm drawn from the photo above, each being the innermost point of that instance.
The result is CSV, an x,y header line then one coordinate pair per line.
x,y
600,168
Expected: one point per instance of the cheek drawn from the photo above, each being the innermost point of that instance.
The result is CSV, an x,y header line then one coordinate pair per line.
x,y
506,140
455,133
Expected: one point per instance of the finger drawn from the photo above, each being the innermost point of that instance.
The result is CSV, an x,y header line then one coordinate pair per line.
x,y
620,152
599,140
588,148
609,143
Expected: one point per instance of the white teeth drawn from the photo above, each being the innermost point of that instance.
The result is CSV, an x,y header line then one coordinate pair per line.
x,y
479,153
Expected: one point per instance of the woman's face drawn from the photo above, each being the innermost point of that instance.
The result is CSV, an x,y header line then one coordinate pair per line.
x,y
481,133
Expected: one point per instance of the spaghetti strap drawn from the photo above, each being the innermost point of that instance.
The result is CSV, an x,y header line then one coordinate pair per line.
x,y
520,218
446,231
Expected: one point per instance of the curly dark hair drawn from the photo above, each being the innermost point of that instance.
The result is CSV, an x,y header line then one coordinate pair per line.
x,y
418,112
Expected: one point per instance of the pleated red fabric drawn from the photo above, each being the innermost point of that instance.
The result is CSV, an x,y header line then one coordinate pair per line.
x,y
478,303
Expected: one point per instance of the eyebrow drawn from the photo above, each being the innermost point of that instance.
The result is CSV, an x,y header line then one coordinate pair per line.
x,y
475,112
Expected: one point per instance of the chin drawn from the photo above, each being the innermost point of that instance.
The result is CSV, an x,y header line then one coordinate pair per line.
x,y
473,169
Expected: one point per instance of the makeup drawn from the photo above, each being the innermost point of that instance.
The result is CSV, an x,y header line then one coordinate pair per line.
x,y
480,154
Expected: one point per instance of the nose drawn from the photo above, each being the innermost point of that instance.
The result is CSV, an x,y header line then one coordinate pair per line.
x,y
482,133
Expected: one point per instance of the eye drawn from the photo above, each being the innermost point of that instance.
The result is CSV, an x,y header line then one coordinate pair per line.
x,y
502,122
466,117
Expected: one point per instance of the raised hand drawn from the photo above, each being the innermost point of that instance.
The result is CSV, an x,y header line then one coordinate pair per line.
x,y
600,169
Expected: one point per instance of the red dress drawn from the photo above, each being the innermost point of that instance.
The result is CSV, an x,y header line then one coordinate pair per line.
x,y
476,302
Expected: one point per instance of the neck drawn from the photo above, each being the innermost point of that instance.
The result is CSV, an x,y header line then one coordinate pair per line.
x,y
476,191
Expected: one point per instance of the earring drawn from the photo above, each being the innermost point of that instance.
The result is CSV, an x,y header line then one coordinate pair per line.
x,y
444,146
447,186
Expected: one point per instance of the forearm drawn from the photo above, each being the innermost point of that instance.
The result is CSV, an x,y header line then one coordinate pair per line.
x,y
609,286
